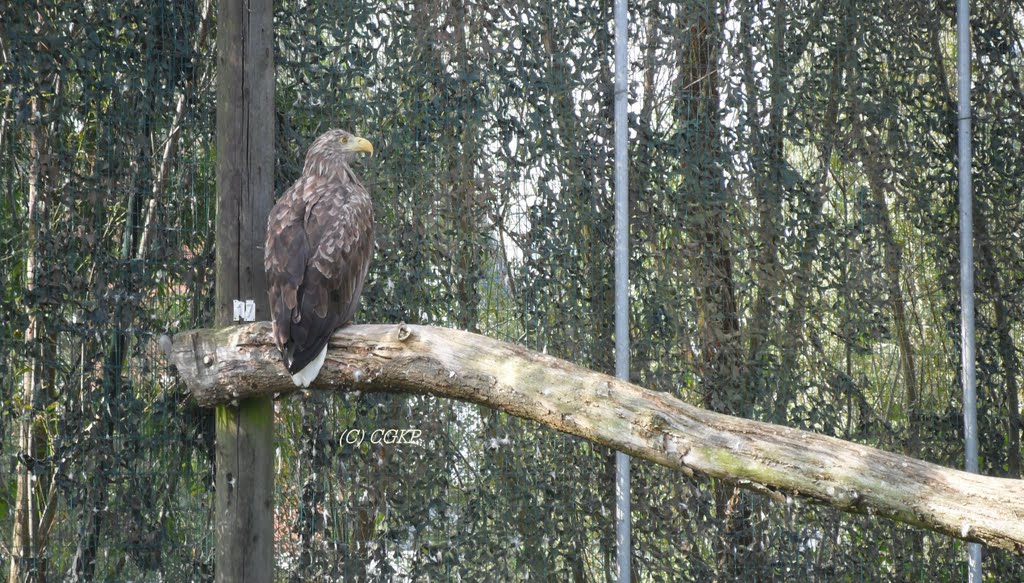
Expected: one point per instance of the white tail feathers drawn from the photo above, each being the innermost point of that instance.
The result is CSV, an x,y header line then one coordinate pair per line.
x,y
308,374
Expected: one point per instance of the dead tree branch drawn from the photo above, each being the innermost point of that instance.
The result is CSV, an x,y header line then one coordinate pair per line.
x,y
222,365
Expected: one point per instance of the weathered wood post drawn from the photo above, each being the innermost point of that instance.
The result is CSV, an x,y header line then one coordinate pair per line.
x,y
245,185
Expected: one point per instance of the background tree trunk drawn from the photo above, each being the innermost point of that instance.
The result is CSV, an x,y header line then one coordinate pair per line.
x,y
27,564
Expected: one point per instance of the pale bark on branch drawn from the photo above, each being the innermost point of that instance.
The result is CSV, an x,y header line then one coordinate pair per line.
x,y
222,365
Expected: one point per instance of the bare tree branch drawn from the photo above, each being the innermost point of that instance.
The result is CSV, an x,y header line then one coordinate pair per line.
x,y
236,362
173,135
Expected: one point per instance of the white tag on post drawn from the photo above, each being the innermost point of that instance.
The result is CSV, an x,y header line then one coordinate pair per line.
x,y
245,311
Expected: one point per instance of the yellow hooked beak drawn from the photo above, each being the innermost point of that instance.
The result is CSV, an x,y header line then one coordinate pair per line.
x,y
361,145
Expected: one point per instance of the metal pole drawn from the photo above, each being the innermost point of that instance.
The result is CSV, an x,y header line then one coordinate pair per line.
x,y
622,512
967,264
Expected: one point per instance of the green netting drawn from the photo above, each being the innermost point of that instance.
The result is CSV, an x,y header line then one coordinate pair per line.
x,y
794,259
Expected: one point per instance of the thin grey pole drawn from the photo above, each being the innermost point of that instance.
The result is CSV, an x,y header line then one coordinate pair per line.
x,y
967,351
622,513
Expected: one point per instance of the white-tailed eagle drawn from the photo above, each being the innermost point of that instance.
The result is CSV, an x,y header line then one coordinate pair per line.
x,y
319,243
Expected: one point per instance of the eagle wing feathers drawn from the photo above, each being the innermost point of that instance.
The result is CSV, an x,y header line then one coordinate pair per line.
x,y
318,248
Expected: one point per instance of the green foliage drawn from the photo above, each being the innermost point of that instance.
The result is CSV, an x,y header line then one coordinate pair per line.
x,y
794,259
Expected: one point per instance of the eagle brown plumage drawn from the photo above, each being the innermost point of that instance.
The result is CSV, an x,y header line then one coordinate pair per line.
x,y
319,243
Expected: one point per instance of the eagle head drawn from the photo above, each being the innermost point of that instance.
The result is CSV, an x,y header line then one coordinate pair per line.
x,y
335,147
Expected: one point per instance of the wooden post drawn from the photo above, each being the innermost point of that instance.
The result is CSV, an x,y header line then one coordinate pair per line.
x,y
245,185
